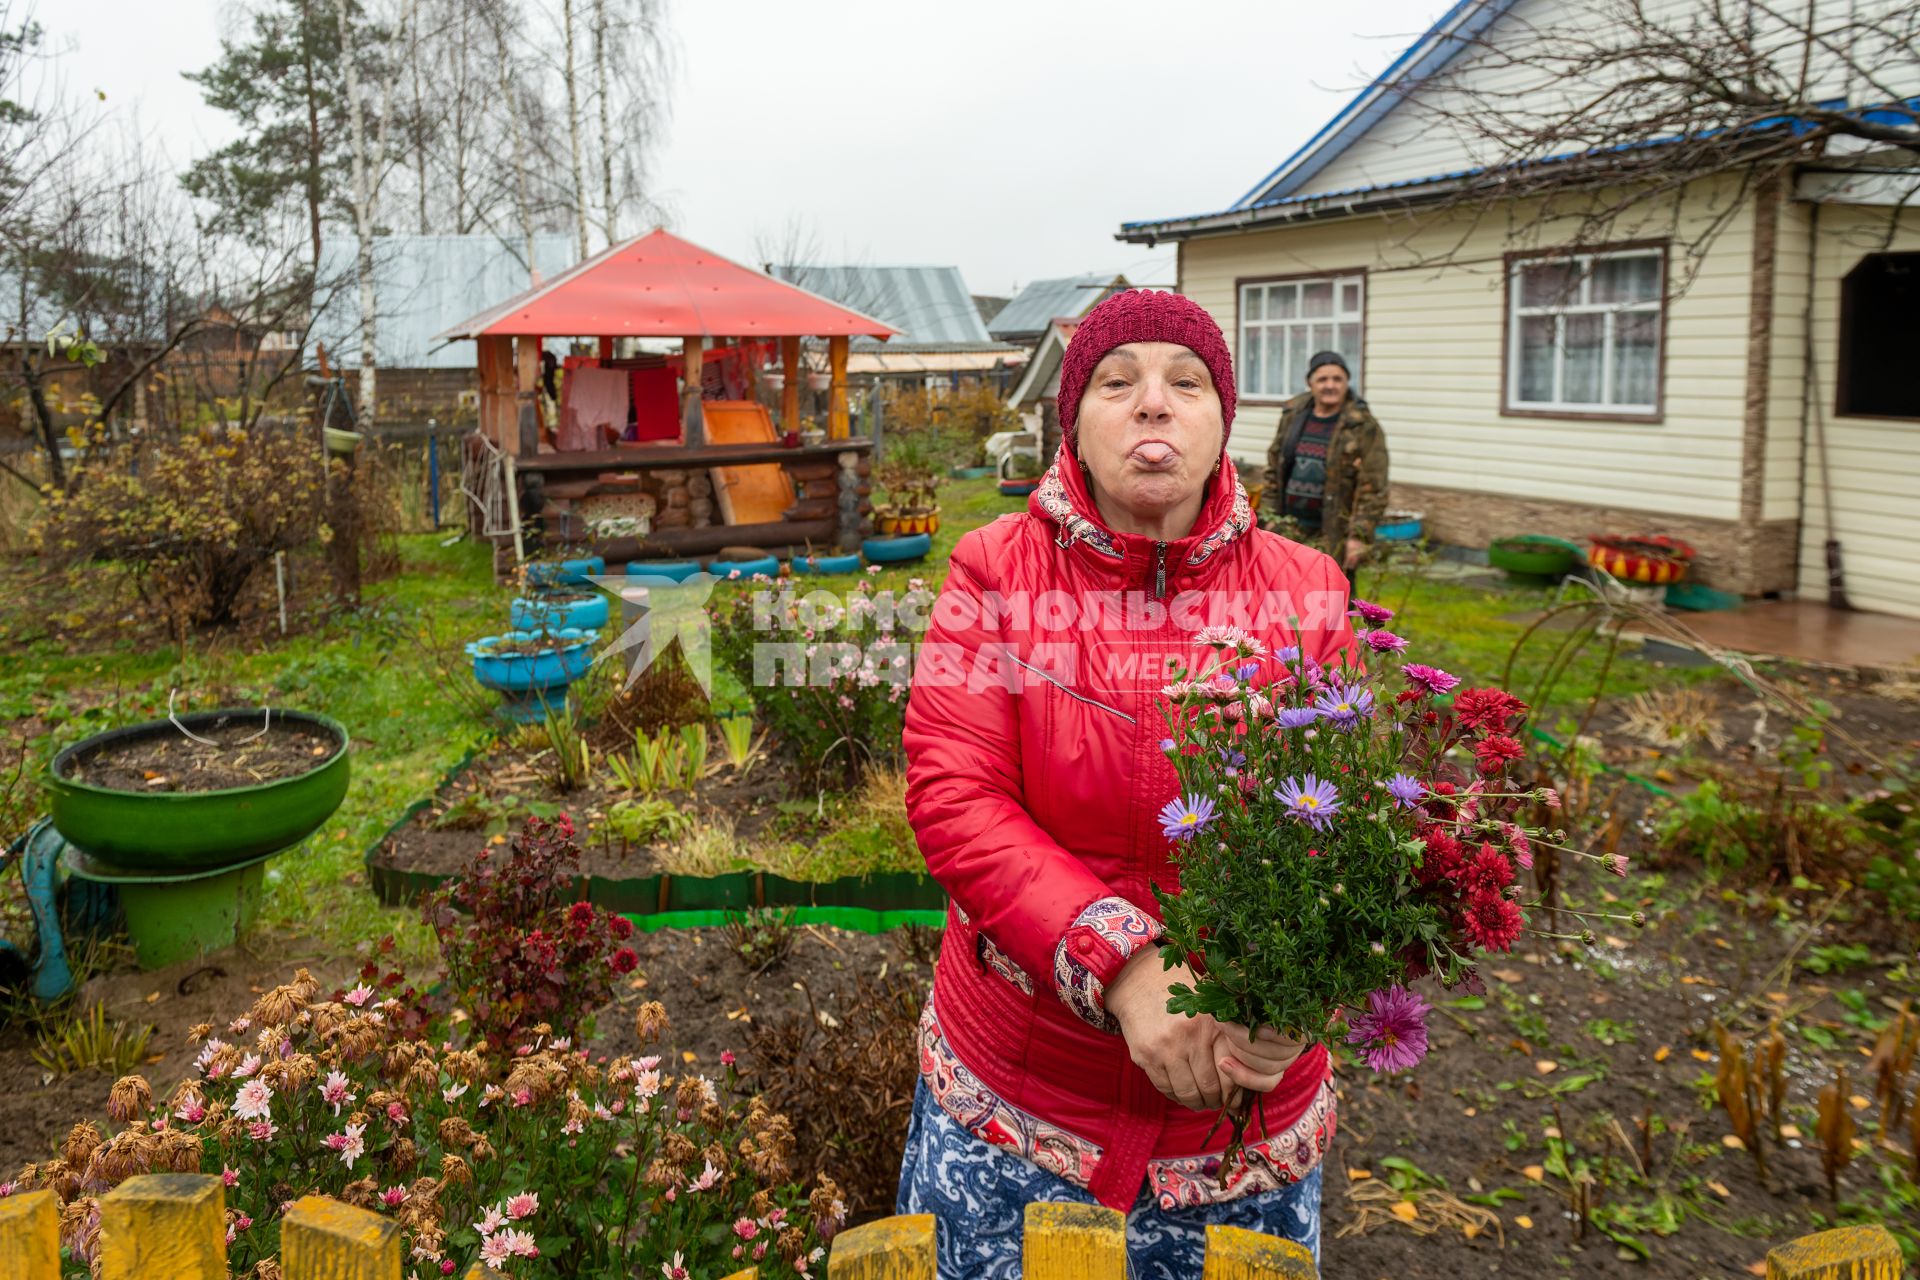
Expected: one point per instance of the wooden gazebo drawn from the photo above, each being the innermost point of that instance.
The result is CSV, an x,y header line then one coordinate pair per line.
x,y
660,286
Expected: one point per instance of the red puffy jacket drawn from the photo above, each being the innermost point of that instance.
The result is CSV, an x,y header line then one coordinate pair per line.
x,y
1034,780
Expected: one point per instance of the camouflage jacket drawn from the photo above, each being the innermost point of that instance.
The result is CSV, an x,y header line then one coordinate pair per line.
x,y
1356,493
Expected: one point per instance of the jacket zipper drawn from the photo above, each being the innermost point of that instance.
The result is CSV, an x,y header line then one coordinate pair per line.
x,y
1159,569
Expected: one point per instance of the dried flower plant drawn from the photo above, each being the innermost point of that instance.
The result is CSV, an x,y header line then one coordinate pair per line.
x,y
1835,1130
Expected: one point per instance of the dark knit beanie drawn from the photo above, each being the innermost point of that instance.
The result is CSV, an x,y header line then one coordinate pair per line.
x,y
1327,357
1143,315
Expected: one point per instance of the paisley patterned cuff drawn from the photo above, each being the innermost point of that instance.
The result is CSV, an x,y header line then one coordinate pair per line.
x,y
1095,947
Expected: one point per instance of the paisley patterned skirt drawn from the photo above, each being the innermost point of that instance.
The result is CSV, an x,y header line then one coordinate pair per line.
x,y
978,1194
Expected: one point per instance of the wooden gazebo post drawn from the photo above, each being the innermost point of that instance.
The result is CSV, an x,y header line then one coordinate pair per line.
x,y
837,397
790,393
693,426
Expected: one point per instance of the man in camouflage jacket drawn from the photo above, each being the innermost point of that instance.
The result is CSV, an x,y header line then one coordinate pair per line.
x,y
1355,492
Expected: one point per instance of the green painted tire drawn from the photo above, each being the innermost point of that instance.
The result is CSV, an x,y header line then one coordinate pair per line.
x,y
194,831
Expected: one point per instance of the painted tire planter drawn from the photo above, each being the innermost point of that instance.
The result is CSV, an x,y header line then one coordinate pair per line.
x,y
745,568
1018,488
674,570
898,524
896,550
1655,561
1534,554
1401,526
182,832
529,683
566,573
970,473
581,613
826,564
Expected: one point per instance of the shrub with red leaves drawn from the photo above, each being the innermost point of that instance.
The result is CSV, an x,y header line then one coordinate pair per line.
x,y
517,950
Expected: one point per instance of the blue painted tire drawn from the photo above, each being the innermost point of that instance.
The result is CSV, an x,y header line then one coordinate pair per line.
x,y
531,613
911,546
565,660
567,573
1017,488
826,564
745,568
1399,531
676,570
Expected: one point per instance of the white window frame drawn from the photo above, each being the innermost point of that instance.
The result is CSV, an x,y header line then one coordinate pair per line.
x,y
1356,317
1578,304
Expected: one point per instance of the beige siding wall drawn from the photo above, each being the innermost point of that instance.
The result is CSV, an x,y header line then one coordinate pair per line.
x,y
1876,463
1433,365
1786,385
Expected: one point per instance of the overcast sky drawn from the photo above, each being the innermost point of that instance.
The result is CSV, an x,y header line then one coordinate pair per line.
x,y
1009,138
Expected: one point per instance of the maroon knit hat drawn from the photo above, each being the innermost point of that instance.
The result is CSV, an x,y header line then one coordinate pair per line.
x,y
1143,315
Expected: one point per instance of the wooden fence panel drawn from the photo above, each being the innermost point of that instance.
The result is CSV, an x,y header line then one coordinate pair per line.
x,y
1074,1242
323,1239
891,1249
174,1225
164,1224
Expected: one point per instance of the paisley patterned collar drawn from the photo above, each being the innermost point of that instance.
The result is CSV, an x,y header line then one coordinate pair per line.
x,y
1062,500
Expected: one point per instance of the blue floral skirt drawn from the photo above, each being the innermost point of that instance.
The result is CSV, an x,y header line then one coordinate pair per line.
x,y
978,1194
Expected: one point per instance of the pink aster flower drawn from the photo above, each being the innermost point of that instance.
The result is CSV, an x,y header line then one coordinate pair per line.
x,y
229,1176
262,1130
192,1110
1383,641
524,1205
726,1058
253,1100
452,1093
393,1197
359,995
1392,1032
1229,638
520,1243
677,1269
708,1177
495,1250
1377,614
334,1089
746,1228
351,1144
1426,680
492,1222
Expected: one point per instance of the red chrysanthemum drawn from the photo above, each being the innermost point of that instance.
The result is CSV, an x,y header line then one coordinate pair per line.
x,y
1444,859
625,961
1492,923
1489,872
1438,802
1488,709
1495,752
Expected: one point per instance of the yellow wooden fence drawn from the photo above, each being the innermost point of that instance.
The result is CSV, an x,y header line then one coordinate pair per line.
x,y
172,1226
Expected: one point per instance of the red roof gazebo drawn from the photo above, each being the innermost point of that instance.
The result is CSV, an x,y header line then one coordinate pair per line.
x,y
660,286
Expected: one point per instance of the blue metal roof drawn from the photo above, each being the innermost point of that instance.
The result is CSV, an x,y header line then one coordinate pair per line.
x,y
423,284
931,306
1036,306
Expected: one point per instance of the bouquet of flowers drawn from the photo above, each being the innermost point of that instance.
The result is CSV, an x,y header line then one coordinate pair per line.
x,y
1341,833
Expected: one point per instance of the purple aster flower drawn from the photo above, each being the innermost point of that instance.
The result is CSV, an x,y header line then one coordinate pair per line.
x,y
1246,671
1393,1030
1426,680
1185,817
1344,704
1166,744
1234,760
1406,790
1297,717
1383,641
1377,614
1312,801
1289,654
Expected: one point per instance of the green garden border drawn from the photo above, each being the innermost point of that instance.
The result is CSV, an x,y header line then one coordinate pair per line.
x,y
865,904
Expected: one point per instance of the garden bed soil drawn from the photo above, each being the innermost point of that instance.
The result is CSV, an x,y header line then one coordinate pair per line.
x,y
233,755
751,802
38,1107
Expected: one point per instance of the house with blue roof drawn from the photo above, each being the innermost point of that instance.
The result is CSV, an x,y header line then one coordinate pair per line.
x,y
1729,364
1028,314
940,335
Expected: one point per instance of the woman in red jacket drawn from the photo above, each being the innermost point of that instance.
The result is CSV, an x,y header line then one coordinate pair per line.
x,y
1050,1066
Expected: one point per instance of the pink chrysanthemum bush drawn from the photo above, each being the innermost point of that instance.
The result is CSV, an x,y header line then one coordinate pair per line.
x,y
535,1157
1340,833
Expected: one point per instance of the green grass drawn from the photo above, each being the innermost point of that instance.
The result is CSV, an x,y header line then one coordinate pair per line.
x,y
373,670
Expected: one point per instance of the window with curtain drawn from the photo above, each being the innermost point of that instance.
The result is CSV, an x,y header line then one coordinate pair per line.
x,y
1284,322
1584,333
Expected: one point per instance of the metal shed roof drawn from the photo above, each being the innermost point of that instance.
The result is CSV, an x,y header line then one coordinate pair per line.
x,y
930,306
1042,302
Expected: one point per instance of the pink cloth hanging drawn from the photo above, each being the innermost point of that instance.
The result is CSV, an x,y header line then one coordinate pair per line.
x,y
593,408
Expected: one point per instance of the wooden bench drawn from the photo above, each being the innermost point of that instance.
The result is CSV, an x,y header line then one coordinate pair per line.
x,y
173,1225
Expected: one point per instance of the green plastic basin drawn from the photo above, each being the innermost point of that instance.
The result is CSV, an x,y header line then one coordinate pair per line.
x,y
195,831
